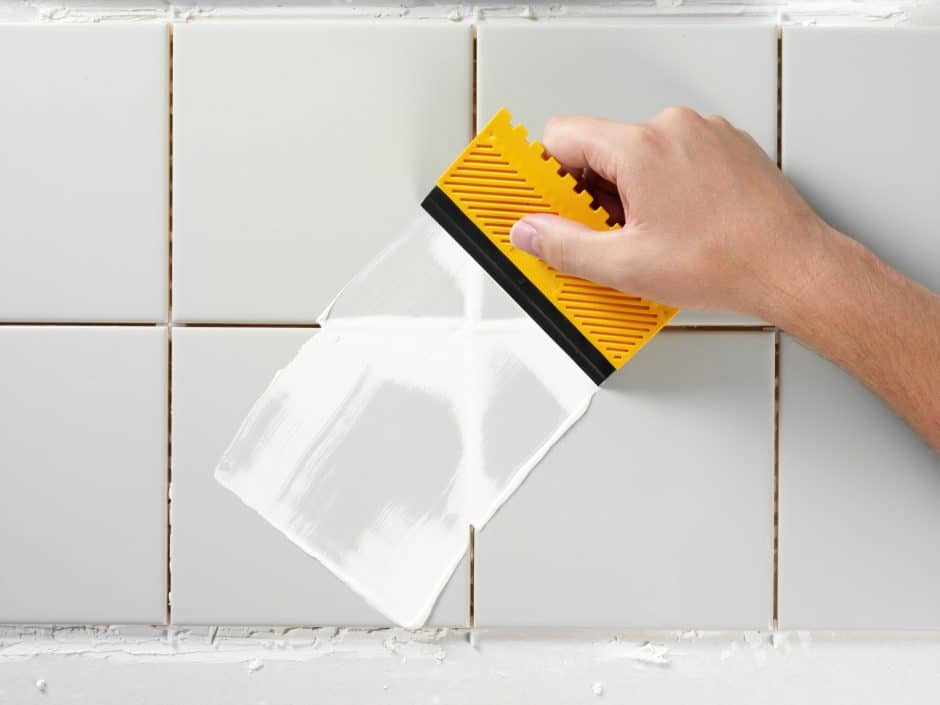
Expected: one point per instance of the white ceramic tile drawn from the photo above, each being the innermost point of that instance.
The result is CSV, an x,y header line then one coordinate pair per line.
x,y
230,566
859,499
300,150
859,491
656,509
83,172
630,72
860,135
83,474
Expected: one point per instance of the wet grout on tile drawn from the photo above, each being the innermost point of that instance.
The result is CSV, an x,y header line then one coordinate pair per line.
x,y
229,565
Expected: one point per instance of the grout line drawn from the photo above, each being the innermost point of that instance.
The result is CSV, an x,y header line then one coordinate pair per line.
x,y
779,97
776,502
472,548
775,623
169,156
246,325
473,82
471,574
718,328
314,325
169,470
85,324
169,334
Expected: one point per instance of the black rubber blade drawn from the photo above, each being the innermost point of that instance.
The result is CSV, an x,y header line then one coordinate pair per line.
x,y
539,307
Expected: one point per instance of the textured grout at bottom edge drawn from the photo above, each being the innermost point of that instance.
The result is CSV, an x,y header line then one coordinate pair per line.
x,y
169,474
775,620
471,575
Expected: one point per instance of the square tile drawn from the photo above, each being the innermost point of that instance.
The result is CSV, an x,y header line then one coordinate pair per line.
x,y
632,71
229,565
858,513
83,474
656,509
860,118
302,149
84,172
859,498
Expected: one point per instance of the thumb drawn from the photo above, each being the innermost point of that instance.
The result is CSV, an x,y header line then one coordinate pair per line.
x,y
569,246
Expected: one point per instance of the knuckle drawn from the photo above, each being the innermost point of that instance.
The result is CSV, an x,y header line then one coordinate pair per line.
x,y
649,141
551,250
554,124
746,136
560,127
718,120
567,256
564,255
649,135
679,115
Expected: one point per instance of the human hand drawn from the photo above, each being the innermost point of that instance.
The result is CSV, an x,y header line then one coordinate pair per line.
x,y
708,221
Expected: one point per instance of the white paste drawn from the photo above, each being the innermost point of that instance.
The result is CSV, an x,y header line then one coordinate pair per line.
x,y
418,408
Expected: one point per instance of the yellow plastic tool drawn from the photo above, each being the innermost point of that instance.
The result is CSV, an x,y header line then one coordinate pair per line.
x,y
499,178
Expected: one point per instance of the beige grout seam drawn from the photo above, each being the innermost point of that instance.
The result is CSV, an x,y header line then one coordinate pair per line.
x,y
471,574
779,97
474,40
472,546
85,324
775,619
169,468
169,329
717,328
247,324
776,492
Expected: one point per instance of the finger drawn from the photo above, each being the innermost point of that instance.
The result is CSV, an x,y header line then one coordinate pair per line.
x,y
596,182
606,194
612,204
749,139
576,171
569,246
580,142
718,120
602,191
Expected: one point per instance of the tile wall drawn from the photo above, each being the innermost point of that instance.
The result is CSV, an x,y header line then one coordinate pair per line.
x,y
298,149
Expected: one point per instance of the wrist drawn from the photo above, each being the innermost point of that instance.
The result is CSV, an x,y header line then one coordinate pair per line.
x,y
814,265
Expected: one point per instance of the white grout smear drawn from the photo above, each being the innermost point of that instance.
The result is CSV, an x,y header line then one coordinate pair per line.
x,y
418,408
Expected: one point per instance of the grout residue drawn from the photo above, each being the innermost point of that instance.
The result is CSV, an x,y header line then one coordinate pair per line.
x,y
827,12
415,411
256,646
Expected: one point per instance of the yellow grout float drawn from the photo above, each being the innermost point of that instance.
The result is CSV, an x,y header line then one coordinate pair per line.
x,y
501,177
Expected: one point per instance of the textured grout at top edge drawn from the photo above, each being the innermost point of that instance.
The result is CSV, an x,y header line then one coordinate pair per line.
x,y
831,12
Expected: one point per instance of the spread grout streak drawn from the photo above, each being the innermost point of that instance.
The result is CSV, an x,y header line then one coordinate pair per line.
x,y
417,409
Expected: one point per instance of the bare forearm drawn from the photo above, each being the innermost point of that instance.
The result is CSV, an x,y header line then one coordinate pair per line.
x,y
710,223
878,325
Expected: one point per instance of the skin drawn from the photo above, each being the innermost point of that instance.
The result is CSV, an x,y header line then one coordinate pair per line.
x,y
708,222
